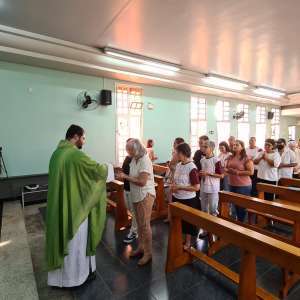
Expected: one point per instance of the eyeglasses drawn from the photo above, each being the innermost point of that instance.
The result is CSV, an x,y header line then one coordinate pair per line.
x,y
267,144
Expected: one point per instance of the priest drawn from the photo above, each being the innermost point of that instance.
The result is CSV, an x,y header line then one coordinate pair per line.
x,y
76,211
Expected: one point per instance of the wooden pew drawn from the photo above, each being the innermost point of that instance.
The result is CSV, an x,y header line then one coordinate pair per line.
x,y
116,202
290,182
250,242
160,208
160,169
285,195
290,213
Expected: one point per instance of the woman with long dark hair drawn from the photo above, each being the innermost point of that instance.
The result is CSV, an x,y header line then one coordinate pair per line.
x,y
239,169
223,157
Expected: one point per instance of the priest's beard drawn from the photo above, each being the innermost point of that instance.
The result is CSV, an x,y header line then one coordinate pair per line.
x,y
79,145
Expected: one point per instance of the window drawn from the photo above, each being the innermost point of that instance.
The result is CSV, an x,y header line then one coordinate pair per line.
x,y
222,112
198,120
292,133
129,117
275,123
260,126
243,123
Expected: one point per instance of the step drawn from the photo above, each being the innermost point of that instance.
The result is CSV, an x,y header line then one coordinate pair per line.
x,y
17,279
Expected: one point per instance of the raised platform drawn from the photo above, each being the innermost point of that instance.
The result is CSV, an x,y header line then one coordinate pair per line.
x,y
16,272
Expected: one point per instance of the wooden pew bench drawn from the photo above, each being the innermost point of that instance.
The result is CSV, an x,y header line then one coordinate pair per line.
x,y
161,169
160,208
288,212
116,203
285,195
250,242
289,182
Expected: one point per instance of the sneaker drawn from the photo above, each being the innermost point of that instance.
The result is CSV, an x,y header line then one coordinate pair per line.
x,y
131,236
202,234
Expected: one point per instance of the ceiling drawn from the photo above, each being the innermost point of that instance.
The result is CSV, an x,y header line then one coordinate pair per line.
x,y
252,40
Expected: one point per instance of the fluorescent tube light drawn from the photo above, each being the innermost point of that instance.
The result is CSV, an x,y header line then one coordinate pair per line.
x,y
269,92
141,59
225,82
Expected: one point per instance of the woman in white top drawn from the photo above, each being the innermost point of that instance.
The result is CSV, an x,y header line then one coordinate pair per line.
x,y
169,178
252,151
223,157
288,160
186,184
142,190
293,147
268,162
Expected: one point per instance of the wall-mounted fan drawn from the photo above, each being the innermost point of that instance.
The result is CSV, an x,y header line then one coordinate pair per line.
x,y
88,102
238,115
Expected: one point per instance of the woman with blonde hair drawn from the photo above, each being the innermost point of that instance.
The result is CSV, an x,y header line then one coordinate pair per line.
x,y
142,191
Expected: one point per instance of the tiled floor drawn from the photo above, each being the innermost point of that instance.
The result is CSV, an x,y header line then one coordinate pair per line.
x,y
15,259
119,277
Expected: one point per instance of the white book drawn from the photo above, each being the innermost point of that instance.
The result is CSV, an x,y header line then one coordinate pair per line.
x,y
111,173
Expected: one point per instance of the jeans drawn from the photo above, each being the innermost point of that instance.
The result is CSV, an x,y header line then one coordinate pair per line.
x,y
143,210
243,190
224,184
209,203
133,228
254,182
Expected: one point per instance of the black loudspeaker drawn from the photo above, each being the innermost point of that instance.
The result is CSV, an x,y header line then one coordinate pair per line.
x,y
270,115
105,97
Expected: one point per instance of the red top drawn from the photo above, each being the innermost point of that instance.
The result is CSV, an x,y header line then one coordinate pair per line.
x,y
239,165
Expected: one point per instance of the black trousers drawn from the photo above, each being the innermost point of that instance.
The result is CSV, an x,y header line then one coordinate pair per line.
x,y
268,196
188,228
254,182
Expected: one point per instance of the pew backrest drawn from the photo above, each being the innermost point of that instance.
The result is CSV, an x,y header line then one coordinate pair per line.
x,y
289,182
276,251
285,211
283,192
160,169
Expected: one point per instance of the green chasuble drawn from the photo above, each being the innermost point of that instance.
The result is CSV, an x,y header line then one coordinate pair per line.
x,y
77,190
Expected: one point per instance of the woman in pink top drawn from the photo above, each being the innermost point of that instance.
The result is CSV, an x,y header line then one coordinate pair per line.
x,y
239,169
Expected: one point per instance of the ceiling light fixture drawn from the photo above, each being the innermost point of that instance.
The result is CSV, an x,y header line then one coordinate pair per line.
x,y
225,82
141,59
269,92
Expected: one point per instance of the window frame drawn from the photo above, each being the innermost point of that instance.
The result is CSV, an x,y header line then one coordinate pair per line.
x,y
225,117
200,118
260,120
127,116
